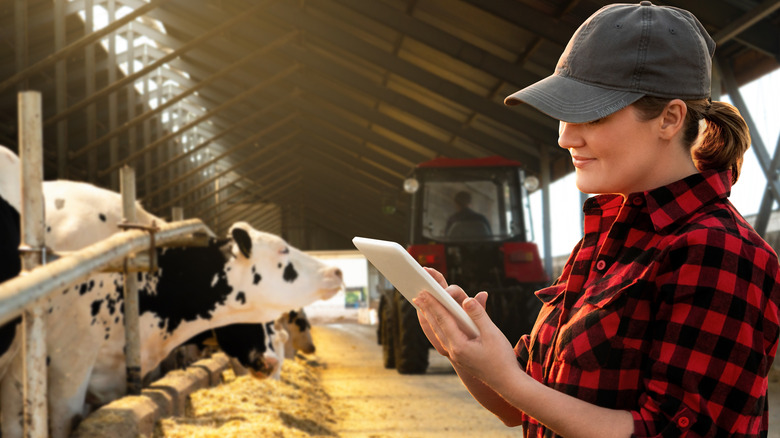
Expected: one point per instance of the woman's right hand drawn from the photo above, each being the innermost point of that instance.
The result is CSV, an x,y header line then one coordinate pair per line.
x,y
455,292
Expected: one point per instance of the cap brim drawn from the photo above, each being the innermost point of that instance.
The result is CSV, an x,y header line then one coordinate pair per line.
x,y
572,101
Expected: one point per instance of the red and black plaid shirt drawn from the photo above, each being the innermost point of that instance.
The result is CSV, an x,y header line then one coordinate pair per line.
x,y
667,308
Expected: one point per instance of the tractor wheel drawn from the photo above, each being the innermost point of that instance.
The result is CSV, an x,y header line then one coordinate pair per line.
x,y
411,346
387,329
514,312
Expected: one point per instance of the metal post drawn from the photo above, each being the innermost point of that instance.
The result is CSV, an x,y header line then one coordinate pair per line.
x,y
132,338
32,243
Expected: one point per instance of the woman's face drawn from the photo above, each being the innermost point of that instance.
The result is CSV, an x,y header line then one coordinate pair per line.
x,y
616,154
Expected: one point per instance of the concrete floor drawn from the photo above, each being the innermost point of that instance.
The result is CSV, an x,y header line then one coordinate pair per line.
x,y
774,409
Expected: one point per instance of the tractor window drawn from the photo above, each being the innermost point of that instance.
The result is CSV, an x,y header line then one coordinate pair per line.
x,y
466,210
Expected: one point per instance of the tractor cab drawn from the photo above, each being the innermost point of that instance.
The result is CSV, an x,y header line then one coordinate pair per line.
x,y
469,220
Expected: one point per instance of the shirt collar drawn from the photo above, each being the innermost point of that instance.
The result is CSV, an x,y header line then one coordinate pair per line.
x,y
674,202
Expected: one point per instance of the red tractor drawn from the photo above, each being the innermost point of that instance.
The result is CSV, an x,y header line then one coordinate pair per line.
x,y
469,220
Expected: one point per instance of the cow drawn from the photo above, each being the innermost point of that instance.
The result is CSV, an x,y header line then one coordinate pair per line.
x,y
290,333
251,276
247,277
10,204
297,325
71,208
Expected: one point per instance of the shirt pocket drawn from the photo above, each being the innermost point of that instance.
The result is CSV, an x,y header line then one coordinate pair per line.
x,y
594,336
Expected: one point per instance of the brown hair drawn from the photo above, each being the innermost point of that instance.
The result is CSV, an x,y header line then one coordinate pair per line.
x,y
722,144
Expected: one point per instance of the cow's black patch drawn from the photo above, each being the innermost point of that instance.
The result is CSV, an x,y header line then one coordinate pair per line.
x,y
102,217
9,241
7,334
302,322
86,287
245,342
96,307
241,297
290,274
256,279
186,286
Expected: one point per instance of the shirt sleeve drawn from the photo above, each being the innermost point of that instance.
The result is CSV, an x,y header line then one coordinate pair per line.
x,y
713,339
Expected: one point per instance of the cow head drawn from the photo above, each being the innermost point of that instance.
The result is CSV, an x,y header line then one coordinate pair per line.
x,y
274,272
255,346
297,325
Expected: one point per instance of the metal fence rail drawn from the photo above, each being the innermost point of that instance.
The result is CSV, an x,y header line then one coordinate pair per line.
x,y
18,293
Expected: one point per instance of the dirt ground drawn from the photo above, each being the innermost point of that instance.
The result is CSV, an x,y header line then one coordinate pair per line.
x,y
344,391
372,402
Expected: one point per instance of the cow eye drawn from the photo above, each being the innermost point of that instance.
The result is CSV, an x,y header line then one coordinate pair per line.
x,y
285,251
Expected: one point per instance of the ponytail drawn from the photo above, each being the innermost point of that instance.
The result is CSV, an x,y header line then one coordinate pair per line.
x,y
721,145
724,141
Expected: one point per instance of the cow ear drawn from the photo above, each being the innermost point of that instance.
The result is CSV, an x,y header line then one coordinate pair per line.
x,y
241,237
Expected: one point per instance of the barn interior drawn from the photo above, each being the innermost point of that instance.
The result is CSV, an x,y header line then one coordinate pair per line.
x,y
304,117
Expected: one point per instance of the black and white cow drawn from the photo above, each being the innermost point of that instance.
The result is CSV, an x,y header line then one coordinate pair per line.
x,y
298,326
251,277
244,342
72,207
10,263
248,277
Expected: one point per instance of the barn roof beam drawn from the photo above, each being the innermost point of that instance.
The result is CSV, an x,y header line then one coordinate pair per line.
x,y
542,129
326,150
81,43
350,142
440,40
489,144
194,171
179,51
258,87
344,184
322,110
241,193
264,150
266,110
281,185
318,65
535,22
343,75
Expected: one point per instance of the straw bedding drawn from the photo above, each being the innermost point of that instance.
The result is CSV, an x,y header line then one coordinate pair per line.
x,y
294,406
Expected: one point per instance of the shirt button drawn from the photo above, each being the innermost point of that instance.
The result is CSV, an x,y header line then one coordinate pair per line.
x,y
600,265
683,422
638,201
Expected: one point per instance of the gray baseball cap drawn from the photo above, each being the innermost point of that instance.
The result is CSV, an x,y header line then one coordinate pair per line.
x,y
620,54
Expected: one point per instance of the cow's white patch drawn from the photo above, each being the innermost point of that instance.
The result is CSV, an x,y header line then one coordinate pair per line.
x,y
214,280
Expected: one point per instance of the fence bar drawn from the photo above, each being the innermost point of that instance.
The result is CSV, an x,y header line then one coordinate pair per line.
x,y
19,292
132,331
32,243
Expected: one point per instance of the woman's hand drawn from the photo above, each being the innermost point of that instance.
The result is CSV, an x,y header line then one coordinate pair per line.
x,y
478,355
455,292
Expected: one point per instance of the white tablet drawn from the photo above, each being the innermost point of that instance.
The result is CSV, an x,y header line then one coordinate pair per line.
x,y
398,266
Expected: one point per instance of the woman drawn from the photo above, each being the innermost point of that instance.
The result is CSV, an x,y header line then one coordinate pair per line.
x,y
664,321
